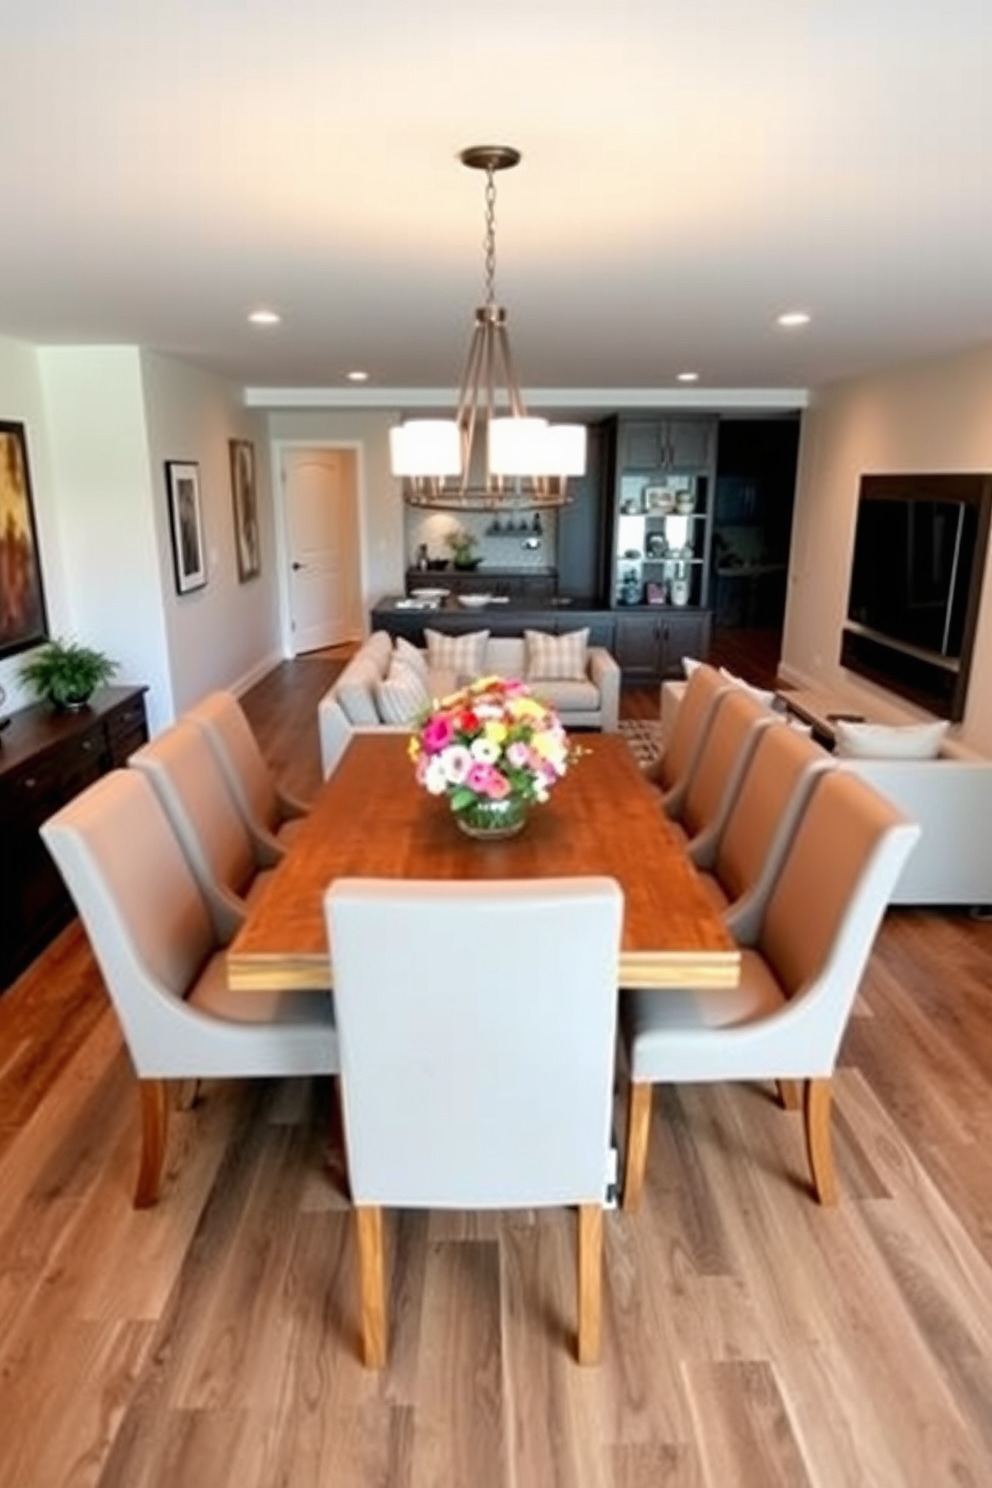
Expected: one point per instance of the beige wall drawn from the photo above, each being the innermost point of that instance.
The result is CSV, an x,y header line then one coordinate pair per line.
x,y
931,416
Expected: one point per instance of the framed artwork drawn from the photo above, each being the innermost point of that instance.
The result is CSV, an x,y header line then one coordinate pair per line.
x,y
23,621
186,524
659,499
245,508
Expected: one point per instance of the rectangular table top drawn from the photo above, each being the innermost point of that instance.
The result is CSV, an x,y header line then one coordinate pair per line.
x,y
371,820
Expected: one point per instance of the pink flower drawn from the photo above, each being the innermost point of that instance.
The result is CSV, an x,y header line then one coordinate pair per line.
x,y
437,733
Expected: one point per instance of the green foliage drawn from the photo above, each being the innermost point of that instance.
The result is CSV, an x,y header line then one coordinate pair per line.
x,y
66,673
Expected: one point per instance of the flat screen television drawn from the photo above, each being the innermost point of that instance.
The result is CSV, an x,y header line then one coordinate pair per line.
x,y
915,587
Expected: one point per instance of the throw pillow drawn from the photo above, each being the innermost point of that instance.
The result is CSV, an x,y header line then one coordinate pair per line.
x,y
465,655
689,665
889,741
401,695
761,694
410,656
557,658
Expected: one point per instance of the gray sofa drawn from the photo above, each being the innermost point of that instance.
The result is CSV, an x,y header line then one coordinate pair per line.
x,y
349,705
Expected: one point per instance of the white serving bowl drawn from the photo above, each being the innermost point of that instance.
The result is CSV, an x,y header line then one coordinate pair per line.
x,y
475,601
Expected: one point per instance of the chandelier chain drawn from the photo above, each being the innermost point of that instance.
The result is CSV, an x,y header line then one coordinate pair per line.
x,y
490,243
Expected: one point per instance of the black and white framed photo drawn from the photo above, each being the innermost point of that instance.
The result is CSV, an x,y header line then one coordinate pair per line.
x,y
186,524
245,508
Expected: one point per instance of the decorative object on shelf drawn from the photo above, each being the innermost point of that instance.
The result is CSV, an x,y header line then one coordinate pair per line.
x,y
186,524
245,496
680,591
461,544
685,501
659,500
494,751
23,622
528,460
67,674
656,545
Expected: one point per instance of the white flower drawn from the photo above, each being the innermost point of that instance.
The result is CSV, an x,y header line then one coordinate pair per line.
x,y
484,751
434,776
456,762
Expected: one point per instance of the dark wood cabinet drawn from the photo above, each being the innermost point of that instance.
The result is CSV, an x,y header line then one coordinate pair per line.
x,y
46,758
667,444
649,645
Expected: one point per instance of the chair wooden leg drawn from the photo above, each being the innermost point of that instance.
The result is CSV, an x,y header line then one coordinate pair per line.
x,y
636,1154
790,1094
373,1305
154,1132
818,1144
590,1282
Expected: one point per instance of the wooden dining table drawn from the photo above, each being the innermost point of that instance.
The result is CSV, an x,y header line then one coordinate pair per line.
x,y
371,819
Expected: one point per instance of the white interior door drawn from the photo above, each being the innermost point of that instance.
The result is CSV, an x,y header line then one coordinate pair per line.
x,y
322,541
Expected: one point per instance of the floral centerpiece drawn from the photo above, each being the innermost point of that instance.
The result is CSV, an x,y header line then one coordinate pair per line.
x,y
494,750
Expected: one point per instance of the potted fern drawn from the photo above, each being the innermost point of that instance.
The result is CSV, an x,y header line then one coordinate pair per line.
x,y
66,673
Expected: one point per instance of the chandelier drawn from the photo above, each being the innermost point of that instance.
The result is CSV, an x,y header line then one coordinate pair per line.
x,y
526,461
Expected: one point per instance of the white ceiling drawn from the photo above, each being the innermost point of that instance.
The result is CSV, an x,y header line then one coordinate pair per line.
x,y
689,172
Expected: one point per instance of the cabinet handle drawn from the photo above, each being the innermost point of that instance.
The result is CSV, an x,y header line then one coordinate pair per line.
x,y
87,744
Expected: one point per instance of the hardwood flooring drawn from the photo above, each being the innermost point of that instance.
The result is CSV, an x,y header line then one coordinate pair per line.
x,y
751,1339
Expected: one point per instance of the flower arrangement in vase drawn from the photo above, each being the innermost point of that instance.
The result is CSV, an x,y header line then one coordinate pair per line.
x,y
494,750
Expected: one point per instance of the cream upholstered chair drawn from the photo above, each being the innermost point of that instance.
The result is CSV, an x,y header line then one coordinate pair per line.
x,y
161,955
672,770
738,864
799,976
737,723
467,1082
227,862
270,813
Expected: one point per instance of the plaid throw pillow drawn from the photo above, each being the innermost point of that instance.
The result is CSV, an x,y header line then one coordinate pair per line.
x,y
401,695
462,654
561,658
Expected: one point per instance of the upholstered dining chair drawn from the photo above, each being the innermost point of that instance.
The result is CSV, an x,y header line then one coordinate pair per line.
x,y
270,813
468,1082
800,971
228,863
739,862
672,770
161,954
738,721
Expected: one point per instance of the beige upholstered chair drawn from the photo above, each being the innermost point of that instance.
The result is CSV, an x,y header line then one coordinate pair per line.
x,y
799,976
737,724
739,863
269,812
227,862
468,1082
161,955
672,770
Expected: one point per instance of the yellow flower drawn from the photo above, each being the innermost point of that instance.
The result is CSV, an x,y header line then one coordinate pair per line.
x,y
496,730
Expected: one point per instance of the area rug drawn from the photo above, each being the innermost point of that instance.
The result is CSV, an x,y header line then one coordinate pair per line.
x,y
643,736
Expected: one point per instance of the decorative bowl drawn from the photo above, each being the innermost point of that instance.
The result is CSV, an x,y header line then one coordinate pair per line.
x,y
475,601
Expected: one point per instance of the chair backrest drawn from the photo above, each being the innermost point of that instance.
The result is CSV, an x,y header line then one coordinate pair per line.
x,y
688,731
223,720
766,810
145,917
476,1023
828,900
194,792
738,720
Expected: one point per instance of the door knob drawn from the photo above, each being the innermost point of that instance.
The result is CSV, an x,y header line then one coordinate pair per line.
x,y
297,566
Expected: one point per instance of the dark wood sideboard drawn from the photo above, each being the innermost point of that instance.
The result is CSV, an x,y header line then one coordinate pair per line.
x,y
46,758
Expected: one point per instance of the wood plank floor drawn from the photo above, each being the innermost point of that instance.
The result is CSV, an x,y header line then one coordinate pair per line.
x,y
751,1339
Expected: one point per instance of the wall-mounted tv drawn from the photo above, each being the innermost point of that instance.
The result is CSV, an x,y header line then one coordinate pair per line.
x,y
916,577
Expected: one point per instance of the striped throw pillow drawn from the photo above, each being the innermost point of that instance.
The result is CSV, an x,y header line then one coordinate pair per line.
x,y
411,657
401,695
465,655
557,658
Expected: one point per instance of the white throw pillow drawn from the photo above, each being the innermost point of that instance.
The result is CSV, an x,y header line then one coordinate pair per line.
x,y
464,655
412,657
689,665
401,696
760,694
557,658
889,741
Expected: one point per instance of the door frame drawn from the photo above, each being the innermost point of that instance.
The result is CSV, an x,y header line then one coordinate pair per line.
x,y
278,449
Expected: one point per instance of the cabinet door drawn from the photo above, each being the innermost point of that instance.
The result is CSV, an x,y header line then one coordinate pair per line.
x,y
637,641
642,444
690,444
683,634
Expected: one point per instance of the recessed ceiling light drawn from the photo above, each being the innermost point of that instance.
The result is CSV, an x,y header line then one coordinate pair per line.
x,y
358,376
794,318
265,317
687,377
